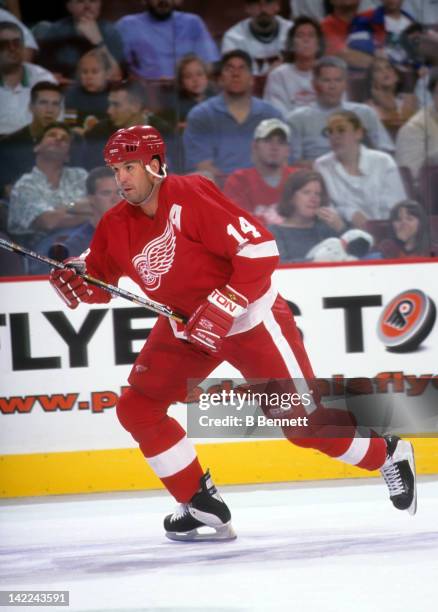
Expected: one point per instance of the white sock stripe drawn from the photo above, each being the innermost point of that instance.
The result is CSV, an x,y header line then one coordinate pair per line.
x,y
289,359
263,249
174,459
356,451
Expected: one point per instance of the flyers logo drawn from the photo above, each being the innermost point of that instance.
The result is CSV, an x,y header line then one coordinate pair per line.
x,y
403,315
406,321
156,258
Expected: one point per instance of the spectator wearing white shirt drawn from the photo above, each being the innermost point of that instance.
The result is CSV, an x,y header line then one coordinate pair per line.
x,y
363,184
417,140
290,85
262,35
17,79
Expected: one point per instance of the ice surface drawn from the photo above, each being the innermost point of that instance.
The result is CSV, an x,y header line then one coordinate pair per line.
x,y
326,548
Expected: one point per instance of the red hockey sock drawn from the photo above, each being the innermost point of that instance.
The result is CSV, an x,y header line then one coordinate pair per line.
x,y
163,442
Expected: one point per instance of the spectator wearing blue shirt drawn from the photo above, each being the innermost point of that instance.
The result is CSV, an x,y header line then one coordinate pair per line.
x,y
156,39
219,132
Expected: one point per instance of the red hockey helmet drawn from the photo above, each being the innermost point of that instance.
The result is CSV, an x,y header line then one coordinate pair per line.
x,y
139,142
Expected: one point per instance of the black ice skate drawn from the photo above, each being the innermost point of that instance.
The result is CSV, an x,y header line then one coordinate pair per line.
x,y
205,517
399,474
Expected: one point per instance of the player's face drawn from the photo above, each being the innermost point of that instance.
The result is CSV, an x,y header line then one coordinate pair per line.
x,y
84,9
46,107
330,85
106,195
194,78
121,109
307,200
406,225
92,74
133,180
306,41
343,136
236,77
272,151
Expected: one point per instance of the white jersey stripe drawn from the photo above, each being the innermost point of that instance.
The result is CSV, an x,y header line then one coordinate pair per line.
x,y
174,459
357,450
255,251
288,356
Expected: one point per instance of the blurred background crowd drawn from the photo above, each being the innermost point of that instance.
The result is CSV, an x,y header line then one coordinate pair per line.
x,y
318,116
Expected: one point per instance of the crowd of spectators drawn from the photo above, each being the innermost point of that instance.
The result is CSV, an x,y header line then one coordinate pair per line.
x,y
320,117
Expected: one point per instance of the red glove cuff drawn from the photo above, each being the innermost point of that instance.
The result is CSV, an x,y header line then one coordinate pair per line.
x,y
213,319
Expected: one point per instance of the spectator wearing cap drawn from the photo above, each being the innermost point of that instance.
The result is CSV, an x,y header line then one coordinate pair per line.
x,y
219,132
308,124
156,39
17,78
262,35
50,196
258,189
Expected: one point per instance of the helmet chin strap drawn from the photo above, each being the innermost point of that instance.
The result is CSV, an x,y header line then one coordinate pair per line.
x,y
159,176
152,191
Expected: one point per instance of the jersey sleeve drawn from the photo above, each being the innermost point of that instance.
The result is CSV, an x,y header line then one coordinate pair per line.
x,y
99,262
233,234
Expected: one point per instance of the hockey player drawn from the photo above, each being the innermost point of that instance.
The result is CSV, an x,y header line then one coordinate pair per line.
x,y
191,248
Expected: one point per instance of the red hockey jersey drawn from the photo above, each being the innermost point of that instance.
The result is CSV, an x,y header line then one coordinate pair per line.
x,y
197,241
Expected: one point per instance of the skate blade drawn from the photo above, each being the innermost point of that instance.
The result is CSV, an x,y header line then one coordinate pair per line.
x,y
407,452
413,507
225,532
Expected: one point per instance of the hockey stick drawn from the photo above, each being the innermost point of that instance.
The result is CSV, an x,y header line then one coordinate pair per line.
x,y
116,291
